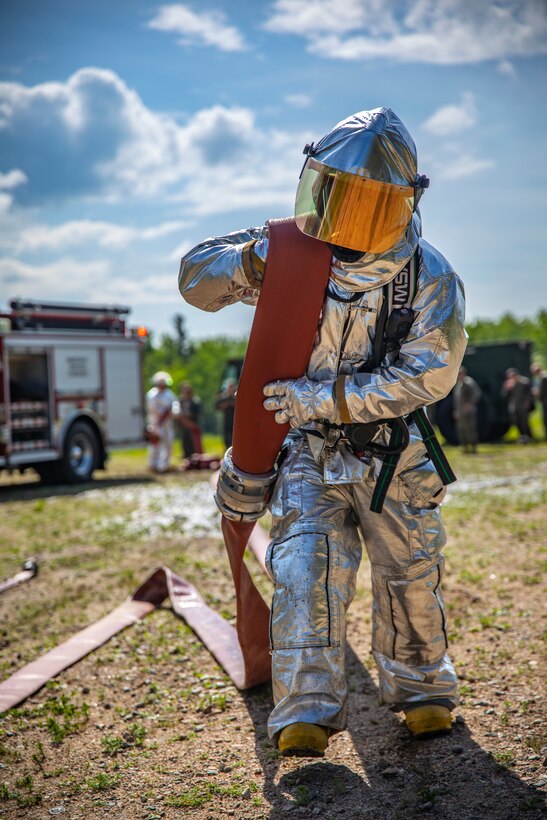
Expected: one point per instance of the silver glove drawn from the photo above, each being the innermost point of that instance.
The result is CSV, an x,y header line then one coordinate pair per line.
x,y
301,401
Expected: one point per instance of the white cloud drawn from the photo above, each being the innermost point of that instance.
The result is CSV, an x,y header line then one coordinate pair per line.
x,y
441,32
507,68
86,231
180,250
454,160
8,182
6,201
309,18
464,166
94,137
298,100
12,179
208,28
451,119
68,280
264,172
64,279
451,159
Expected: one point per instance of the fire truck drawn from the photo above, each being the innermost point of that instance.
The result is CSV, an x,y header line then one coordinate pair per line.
x,y
71,388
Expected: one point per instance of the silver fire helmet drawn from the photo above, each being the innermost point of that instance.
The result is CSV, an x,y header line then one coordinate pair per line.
x,y
359,186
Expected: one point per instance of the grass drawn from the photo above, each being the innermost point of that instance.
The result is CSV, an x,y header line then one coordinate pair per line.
x,y
132,738
103,782
200,795
153,691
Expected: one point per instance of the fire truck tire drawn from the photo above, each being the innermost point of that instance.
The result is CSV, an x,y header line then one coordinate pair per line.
x,y
80,454
80,458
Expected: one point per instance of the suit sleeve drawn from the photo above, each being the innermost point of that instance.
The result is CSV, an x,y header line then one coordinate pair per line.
x,y
427,365
224,270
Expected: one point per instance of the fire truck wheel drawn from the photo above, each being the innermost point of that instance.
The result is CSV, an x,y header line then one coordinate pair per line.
x,y
80,455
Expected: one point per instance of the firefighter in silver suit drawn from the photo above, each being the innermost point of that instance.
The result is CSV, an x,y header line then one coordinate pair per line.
x,y
358,191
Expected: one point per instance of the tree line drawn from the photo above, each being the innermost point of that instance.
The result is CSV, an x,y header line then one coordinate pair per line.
x,y
202,363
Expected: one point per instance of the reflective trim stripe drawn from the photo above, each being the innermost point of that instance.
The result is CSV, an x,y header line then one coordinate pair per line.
x,y
340,399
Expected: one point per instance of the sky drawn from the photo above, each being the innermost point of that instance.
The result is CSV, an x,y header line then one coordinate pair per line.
x,y
131,130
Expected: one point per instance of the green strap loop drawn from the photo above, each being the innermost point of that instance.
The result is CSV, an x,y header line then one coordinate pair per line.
x,y
434,450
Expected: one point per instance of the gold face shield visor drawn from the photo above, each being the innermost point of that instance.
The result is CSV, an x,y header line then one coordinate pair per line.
x,y
351,211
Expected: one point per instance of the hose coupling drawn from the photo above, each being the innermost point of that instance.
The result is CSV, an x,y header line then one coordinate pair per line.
x,y
243,496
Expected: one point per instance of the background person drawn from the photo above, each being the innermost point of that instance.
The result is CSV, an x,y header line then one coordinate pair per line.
x,y
188,413
520,402
359,183
159,421
226,403
467,395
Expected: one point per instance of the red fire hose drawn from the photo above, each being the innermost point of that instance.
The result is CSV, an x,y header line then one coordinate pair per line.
x,y
280,344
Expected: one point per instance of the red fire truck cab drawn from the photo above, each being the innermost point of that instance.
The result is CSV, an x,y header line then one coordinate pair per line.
x,y
71,387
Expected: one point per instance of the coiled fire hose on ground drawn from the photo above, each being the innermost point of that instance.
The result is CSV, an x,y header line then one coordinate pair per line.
x,y
280,344
217,634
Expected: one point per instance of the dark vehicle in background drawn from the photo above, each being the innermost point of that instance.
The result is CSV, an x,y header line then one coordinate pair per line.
x,y
486,363
232,372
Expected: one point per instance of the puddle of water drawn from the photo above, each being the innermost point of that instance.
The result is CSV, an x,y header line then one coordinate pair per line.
x,y
191,509
181,510
532,487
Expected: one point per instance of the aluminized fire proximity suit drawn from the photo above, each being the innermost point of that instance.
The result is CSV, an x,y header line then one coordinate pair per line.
x,y
322,496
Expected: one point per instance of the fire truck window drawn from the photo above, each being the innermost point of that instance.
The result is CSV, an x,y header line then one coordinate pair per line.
x,y
28,377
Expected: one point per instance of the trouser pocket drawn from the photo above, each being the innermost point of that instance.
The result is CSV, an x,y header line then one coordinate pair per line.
x,y
422,494
408,618
304,609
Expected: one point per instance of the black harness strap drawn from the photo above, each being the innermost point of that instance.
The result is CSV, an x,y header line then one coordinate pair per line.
x,y
433,447
398,296
389,465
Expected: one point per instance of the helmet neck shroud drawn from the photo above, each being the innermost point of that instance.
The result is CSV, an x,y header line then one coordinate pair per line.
x,y
345,254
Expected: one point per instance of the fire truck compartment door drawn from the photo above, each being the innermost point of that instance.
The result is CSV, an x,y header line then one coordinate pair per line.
x,y
124,407
77,371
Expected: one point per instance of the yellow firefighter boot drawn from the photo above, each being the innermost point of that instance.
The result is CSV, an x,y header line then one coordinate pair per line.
x,y
428,719
303,740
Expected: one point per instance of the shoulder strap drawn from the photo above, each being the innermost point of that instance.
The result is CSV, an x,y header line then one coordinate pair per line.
x,y
398,295
402,289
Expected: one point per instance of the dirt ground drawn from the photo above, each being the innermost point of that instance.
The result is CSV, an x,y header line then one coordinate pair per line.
x,y
150,727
